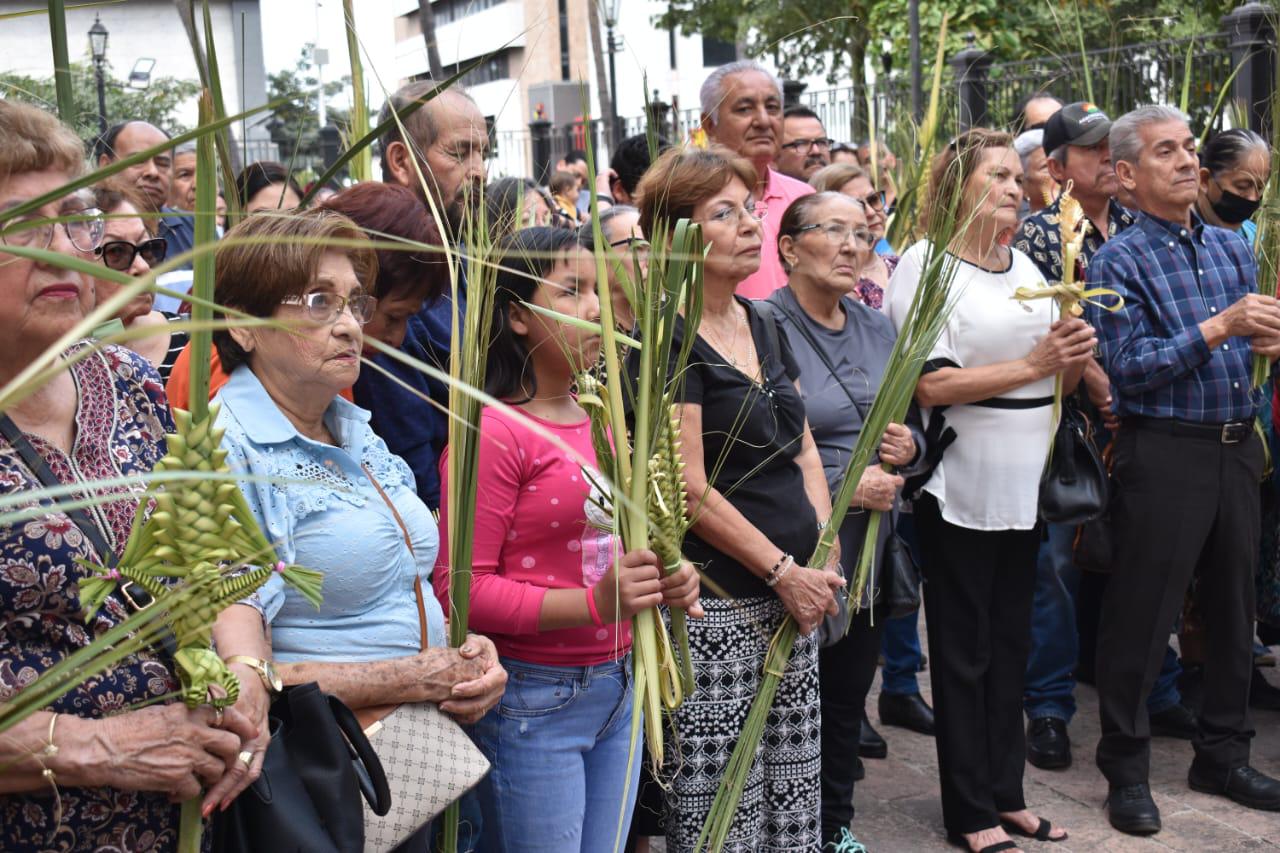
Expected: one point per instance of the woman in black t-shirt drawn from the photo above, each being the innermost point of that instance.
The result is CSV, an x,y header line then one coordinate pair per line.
x,y
759,500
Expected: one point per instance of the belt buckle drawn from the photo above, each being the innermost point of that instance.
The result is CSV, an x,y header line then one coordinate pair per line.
x,y
124,590
1228,434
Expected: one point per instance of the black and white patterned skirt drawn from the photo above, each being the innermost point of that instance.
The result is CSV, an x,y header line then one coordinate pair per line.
x,y
779,807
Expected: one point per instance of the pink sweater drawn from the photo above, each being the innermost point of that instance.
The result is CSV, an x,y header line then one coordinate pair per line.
x,y
535,530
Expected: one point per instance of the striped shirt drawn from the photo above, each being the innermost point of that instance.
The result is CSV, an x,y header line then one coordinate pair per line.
x,y
1172,279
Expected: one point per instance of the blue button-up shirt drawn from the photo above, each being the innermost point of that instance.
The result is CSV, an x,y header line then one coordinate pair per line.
x,y
1172,279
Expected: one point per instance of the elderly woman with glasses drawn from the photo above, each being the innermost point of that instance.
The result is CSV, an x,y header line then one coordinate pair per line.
x,y
104,765
842,348
759,501
128,245
332,497
877,266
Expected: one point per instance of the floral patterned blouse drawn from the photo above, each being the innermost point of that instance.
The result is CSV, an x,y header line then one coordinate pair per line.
x,y
868,292
121,419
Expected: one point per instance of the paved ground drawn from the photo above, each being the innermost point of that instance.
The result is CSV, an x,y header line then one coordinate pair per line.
x,y
899,810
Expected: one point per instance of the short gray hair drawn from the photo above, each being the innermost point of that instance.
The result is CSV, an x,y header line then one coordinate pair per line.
x,y
185,148
1126,131
1026,144
711,93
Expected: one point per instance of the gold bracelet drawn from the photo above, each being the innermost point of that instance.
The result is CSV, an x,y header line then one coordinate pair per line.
x,y
50,750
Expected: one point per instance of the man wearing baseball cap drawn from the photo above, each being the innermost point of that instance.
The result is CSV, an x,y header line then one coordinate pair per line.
x,y
1076,143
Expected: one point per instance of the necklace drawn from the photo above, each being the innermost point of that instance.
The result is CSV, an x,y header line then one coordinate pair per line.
x,y
729,353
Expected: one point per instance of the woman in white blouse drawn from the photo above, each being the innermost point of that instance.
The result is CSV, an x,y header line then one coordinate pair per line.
x,y
993,372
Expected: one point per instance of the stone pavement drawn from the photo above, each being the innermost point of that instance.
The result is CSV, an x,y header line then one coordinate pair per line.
x,y
899,810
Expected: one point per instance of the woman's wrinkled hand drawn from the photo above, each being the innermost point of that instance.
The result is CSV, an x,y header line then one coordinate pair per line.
x,y
471,700
165,748
255,704
897,447
877,490
1070,342
809,594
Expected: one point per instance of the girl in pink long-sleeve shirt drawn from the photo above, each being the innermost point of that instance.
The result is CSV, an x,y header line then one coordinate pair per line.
x,y
549,584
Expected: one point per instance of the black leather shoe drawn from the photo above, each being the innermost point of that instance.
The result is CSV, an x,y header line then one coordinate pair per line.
x,y
1262,694
1048,744
870,744
1243,785
1131,809
908,711
1176,722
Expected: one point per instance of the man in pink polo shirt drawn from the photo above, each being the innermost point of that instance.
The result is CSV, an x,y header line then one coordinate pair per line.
x,y
742,110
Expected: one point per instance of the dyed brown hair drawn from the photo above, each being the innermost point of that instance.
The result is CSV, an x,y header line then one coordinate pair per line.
x,y
33,140
389,212
108,195
254,278
833,178
682,178
954,166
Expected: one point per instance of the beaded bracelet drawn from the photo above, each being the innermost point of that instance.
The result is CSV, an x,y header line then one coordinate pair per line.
x,y
779,569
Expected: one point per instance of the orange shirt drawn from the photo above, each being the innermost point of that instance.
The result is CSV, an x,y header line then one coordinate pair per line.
x,y
179,385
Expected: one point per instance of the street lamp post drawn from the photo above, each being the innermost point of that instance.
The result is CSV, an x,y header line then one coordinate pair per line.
x,y
98,47
611,21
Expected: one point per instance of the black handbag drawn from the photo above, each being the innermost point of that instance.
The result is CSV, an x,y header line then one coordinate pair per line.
x,y
316,770
900,578
1073,487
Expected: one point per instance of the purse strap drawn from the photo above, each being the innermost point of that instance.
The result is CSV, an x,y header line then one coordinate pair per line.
x,y
40,467
132,595
408,541
818,348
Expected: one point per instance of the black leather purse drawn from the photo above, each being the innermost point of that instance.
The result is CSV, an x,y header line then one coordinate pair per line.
x,y
316,770
899,577
1073,487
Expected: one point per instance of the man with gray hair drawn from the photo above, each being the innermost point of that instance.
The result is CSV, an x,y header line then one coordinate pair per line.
x,y
742,110
1187,461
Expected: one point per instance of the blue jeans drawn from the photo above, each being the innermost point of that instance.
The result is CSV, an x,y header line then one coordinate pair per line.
x,y
559,742
901,644
1055,642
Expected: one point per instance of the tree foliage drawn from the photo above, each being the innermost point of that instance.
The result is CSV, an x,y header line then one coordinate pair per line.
x,y
158,104
295,124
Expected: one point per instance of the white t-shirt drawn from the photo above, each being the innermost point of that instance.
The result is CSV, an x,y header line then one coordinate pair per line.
x,y
989,478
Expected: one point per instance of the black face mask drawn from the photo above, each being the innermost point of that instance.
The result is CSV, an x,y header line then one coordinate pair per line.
x,y
1233,209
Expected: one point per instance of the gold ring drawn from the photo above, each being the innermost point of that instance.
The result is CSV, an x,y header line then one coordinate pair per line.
x,y
216,722
245,758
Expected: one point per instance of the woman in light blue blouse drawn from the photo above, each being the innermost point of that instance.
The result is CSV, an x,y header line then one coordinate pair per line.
x,y
324,505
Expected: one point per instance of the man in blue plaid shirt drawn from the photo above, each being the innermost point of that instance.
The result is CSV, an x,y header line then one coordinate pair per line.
x,y
1186,467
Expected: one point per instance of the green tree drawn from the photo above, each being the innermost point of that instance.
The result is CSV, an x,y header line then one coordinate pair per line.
x,y
295,124
158,103
805,37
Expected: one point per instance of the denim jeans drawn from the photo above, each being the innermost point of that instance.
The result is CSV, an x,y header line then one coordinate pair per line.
x,y
1055,641
901,645
559,742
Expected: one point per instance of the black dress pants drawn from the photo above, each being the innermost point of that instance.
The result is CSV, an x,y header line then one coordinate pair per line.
x,y
1183,504
845,672
977,595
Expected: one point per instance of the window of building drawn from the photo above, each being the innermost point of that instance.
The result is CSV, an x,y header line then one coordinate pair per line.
x,y
716,52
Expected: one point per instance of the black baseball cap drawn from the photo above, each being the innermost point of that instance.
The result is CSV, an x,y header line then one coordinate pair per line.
x,y
1081,123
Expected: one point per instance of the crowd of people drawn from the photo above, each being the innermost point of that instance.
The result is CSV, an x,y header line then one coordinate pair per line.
x,y
803,299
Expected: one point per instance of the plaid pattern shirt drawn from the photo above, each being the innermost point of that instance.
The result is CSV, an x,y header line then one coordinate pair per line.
x,y
1039,237
1172,279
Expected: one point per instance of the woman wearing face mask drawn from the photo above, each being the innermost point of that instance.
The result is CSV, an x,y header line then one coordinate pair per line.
x,y
1234,168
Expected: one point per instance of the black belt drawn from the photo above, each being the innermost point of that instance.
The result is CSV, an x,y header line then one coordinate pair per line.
x,y
1231,432
1014,402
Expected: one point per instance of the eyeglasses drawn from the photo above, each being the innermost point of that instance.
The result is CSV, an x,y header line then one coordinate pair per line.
x,y
733,215
84,231
798,145
874,200
837,234
324,308
119,254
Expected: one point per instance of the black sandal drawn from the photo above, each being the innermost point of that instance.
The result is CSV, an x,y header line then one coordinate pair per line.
x,y
1042,832
960,841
